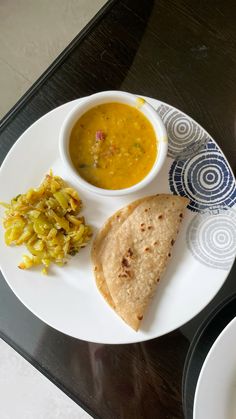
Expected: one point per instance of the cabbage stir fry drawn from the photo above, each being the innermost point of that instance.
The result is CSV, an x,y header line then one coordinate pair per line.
x,y
46,220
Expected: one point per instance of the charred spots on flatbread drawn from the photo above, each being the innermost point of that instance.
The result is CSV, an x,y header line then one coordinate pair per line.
x,y
130,252
125,263
160,216
127,257
125,274
142,225
172,242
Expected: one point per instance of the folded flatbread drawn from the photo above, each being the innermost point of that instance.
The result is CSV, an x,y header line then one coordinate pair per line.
x,y
131,251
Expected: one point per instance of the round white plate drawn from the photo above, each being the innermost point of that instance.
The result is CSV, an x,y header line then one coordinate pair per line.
x,y
67,299
215,396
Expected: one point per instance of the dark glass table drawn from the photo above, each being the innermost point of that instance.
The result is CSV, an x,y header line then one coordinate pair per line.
x,y
183,53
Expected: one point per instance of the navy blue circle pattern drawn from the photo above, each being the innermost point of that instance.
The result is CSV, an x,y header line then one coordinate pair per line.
x,y
212,239
200,172
205,179
185,136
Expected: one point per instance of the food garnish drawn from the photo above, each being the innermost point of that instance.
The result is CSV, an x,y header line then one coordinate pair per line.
x,y
47,221
100,135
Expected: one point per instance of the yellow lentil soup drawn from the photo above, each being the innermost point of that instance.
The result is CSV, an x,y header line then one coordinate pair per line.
x,y
113,146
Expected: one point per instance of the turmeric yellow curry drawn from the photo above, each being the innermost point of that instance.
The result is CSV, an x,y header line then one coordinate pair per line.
x,y
113,146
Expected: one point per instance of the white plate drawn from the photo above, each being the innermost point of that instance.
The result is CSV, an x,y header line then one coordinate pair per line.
x,y
67,299
215,396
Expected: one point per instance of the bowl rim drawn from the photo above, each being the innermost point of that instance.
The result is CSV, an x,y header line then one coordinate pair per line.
x,y
105,97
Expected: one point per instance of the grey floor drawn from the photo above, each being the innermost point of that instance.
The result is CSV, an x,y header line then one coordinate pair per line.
x,y
26,394
32,34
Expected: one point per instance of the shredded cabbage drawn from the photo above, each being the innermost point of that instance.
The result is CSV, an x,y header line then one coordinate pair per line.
x,y
46,220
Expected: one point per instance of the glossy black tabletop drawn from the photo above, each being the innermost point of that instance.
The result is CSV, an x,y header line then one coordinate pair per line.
x,y
182,52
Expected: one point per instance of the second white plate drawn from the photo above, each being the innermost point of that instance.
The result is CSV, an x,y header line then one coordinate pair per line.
x,y
215,396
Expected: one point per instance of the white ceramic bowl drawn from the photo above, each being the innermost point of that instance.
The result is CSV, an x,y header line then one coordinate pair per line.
x,y
108,97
